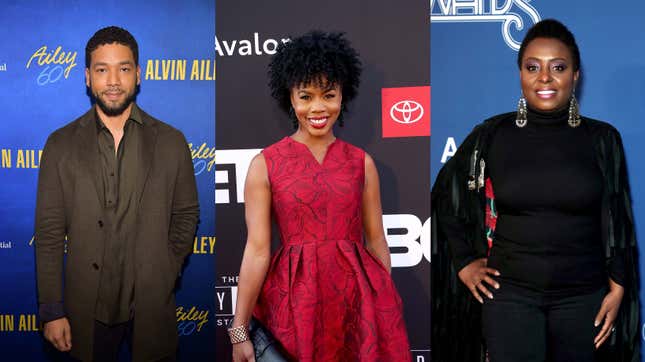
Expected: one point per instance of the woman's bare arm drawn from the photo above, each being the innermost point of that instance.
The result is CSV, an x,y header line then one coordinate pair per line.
x,y
257,253
373,215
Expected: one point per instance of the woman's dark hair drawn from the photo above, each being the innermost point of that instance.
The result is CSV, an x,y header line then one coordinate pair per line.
x,y
553,29
110,35
316,58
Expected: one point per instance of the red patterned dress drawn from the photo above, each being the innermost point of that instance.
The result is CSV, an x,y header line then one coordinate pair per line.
x,y
325,297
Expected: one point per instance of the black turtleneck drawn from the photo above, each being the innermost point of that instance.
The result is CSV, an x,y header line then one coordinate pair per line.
x,y
548,197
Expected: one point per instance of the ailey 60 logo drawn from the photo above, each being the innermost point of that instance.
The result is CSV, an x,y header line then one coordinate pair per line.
x,y
190,320
54,64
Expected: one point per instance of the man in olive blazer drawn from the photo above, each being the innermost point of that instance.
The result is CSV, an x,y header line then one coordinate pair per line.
x,y
71,203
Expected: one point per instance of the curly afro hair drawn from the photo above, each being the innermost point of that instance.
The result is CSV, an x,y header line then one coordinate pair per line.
x,y
110,35
314,58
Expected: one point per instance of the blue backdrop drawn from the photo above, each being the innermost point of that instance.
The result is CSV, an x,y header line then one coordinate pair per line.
x,y
474,73
42,88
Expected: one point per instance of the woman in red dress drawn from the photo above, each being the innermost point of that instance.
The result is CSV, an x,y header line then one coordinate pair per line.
x,y
326,294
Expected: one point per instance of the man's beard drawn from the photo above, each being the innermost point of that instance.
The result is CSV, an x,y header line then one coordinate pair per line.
x,y
115,110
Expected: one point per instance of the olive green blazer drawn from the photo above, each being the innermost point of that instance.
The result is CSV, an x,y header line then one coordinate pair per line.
x,y
70,203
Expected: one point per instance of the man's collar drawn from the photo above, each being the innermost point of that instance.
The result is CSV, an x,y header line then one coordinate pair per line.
x,y
135,115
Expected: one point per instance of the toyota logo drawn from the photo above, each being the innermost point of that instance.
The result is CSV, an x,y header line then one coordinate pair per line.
x,y
406,112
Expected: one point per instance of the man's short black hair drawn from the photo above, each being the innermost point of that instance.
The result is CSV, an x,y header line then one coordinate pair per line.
x,y
553,29
110,35
316,58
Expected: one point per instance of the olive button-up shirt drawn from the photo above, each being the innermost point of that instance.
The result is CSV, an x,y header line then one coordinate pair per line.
x,y
118,169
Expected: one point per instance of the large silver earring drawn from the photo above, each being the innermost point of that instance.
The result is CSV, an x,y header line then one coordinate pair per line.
x,y
521,120
574,112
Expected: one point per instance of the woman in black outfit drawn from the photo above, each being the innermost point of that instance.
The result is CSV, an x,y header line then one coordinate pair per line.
x,y
533,244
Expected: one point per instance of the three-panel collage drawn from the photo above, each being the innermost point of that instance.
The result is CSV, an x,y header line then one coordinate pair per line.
x,y
256,181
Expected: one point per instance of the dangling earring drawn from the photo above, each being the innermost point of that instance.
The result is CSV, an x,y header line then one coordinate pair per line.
x,y
521,120
294,119
574,112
